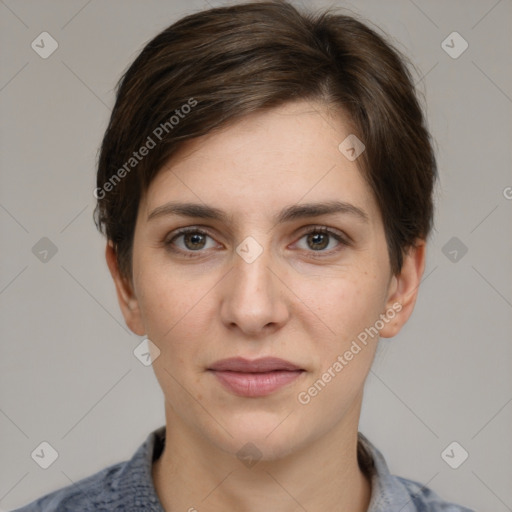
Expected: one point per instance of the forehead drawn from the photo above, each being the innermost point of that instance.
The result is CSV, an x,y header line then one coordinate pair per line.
x,y
263,161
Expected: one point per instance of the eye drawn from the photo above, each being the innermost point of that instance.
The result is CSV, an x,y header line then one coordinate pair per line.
x,y
320,238
190,240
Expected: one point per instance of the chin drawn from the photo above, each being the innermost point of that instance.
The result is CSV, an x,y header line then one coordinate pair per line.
x,y
262,436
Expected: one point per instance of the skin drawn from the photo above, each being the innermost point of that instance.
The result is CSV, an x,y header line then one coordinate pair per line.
x,y
303,299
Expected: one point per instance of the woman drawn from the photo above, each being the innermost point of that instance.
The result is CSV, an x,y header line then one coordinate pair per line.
x,y
265,187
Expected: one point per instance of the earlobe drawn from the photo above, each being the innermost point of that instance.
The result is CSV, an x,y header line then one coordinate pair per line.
x,y
403,290
125,294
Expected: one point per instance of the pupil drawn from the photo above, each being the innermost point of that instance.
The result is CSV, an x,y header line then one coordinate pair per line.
x,y
317,238
195,239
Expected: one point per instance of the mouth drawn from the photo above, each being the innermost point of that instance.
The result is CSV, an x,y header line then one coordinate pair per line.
x,y
256,378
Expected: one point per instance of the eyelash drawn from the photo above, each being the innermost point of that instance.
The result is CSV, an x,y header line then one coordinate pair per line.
x,y
343,241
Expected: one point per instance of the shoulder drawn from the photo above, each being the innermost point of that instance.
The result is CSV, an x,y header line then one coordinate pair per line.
x,y
391,492
97,490
125,486
426,500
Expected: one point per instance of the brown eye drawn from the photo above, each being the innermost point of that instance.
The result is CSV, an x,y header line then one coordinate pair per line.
x,y
318,241
322,240
190,240
194,241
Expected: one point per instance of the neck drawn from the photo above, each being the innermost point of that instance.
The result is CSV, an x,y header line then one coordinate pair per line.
x,y
191,475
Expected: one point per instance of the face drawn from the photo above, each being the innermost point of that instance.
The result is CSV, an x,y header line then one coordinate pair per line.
x,y
284,256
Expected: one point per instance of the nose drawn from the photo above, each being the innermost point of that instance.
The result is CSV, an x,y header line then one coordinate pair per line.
x,y
253,297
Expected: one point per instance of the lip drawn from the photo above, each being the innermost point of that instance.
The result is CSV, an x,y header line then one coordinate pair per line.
x,y
261,365
255,378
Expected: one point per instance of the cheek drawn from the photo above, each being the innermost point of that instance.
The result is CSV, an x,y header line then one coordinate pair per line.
x,y
348,308
346,304
173,306
176,316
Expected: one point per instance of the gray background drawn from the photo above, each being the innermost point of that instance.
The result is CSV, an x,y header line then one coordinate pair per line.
x,y
68,374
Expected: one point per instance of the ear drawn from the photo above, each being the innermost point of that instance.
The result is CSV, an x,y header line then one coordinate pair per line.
x,y
403,289
125,294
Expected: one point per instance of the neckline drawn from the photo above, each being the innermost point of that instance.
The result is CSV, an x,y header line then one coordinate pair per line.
x,y
364,457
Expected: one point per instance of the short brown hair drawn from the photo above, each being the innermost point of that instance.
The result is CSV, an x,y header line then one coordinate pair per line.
x,y
225,63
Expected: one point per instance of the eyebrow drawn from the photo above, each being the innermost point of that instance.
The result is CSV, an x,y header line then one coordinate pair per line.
x,y
293,212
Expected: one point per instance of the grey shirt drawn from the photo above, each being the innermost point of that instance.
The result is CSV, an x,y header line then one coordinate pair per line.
x,y
128,486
